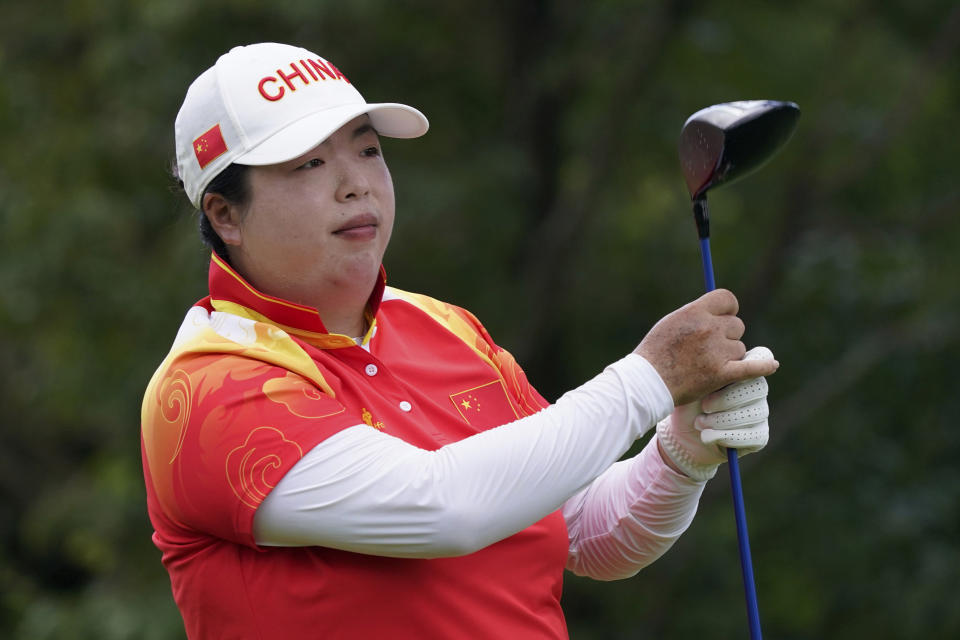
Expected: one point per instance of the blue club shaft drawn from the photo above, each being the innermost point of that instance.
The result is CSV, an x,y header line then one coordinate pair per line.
x,y
707,261
739,511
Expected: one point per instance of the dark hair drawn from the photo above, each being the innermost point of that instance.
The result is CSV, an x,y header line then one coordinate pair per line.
x,y
231,183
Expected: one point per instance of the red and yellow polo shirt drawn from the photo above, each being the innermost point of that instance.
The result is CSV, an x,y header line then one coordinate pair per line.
x,y
251,384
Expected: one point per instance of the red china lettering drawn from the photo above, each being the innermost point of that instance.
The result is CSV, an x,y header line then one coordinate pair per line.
x,y
264,93
296,74
319,70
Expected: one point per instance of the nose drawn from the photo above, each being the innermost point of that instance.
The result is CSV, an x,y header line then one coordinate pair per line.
x,y
352,184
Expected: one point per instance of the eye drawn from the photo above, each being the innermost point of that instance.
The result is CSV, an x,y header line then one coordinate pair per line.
x,y
372,151
311,164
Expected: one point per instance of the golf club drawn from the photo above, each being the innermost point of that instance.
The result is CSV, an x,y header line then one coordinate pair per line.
x,y
718,145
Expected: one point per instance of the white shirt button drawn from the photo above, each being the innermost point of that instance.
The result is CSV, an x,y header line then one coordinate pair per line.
x,y
405,406
371,369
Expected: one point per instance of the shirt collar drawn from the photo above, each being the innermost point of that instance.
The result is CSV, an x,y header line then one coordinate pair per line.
x,y
228,291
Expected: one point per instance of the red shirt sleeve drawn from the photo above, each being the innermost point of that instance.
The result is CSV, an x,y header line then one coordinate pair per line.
x,y
219,433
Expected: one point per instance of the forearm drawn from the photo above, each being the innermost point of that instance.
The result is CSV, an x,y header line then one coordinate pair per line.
x,y
362,490
629,516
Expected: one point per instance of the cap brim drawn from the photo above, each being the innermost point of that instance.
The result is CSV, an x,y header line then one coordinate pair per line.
x,y
389,119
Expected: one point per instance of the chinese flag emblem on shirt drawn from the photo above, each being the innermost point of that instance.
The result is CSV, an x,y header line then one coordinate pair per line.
x,y
485,406
209,146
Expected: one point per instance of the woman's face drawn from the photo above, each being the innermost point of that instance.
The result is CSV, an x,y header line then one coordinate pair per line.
x,y
319,224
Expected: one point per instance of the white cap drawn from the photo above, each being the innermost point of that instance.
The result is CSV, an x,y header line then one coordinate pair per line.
x,y
268,103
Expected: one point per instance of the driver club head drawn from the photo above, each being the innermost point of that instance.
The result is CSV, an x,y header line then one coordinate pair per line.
x,y
727,141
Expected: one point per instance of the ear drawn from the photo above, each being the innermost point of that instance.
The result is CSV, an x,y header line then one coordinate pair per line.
x,y
224,217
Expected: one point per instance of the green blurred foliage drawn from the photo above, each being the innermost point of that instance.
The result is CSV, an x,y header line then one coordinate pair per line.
x,y
547,198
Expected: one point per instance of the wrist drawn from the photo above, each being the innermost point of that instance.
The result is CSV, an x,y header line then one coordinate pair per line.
x,y
676,450
667,461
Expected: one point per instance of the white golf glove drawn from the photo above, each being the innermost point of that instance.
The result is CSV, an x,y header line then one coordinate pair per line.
x,y
696,435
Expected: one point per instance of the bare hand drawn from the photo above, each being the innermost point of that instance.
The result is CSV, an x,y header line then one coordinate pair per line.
x,y
697,348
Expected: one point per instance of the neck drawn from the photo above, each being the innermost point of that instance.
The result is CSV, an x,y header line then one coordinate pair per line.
x,y
351,322
342,308
341,302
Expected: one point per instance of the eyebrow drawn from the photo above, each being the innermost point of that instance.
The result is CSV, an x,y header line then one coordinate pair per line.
x,y
363,129
360,131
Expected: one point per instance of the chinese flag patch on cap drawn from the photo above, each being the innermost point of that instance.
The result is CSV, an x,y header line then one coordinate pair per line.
x,y
209,146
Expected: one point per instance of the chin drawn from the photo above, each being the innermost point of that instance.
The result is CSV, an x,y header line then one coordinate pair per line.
x,y
359,269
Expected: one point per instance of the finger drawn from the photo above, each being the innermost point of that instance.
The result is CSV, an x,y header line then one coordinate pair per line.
x,y
736,395
737,370
754,413
734,328
745,440
734,350
720,302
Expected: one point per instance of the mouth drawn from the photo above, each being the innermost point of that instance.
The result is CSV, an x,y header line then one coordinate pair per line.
x,y
360,226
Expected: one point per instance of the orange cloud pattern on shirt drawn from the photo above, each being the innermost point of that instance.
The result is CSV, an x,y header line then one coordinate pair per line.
x,y
174,399
189,391
300,397
253,468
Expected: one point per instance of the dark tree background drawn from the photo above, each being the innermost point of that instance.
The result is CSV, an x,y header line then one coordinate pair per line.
x,y
547,198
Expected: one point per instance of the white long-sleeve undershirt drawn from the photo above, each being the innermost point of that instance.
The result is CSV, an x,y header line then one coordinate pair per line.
x,y
629,516
366,491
